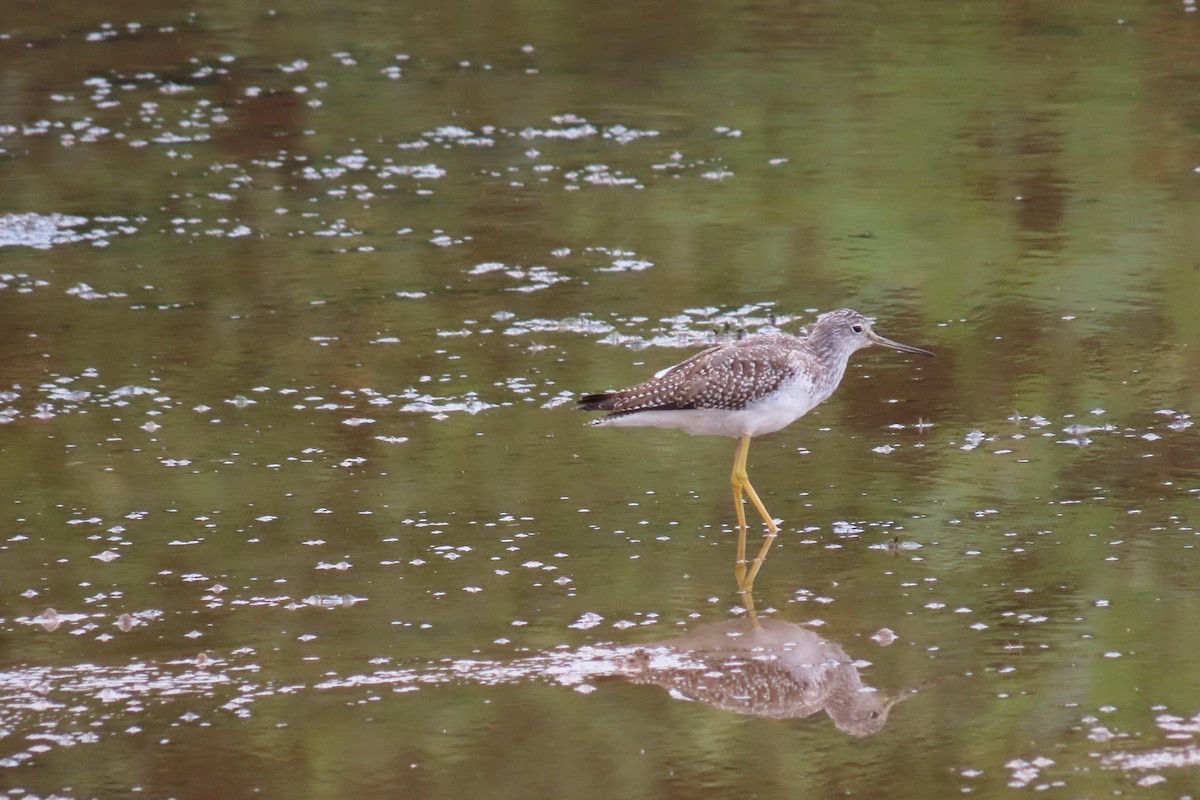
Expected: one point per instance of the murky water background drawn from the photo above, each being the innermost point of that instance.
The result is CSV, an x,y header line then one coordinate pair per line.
x,y
294,300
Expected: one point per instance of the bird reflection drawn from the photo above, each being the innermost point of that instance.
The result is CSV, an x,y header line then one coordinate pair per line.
x,y
765,668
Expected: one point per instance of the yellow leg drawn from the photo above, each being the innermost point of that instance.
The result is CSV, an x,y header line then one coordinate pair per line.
x,y
751,611
756,565
740,482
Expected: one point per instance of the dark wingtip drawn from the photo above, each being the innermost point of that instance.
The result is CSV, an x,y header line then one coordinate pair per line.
x,y
602,401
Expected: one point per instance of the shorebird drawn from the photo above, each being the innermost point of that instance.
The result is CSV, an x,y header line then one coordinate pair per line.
x,y
765,668
742,389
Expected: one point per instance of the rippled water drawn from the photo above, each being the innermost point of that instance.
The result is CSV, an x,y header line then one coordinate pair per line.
x,y
295,303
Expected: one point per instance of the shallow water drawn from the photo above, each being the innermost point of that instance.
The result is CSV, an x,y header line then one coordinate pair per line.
x,y
295,301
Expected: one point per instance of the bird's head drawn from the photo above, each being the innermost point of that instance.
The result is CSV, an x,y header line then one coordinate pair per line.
x,y
847,330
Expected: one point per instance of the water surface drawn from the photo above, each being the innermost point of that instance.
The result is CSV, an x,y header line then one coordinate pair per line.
x,y
294,303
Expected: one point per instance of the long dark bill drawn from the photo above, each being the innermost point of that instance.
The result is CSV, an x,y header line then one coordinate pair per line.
x,y
886,342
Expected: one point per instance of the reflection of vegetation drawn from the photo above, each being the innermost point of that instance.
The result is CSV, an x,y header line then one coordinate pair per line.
x,y
995,168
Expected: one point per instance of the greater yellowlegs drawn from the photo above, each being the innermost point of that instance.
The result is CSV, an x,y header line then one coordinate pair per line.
x,y
766,668
742,389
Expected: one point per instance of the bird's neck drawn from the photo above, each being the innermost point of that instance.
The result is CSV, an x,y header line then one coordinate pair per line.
x,y
833,357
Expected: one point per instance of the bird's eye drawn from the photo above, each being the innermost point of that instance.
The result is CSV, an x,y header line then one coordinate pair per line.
x,y
856,328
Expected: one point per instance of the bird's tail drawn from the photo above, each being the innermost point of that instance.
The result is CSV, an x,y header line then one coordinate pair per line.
x,y
603,401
